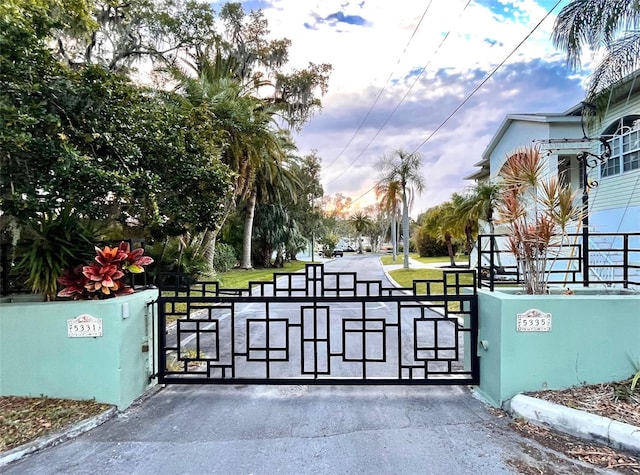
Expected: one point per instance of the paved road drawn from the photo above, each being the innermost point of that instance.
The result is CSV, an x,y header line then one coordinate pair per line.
x,y
302,430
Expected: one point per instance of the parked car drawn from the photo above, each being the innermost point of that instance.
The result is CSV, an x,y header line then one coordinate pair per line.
x,y
338,252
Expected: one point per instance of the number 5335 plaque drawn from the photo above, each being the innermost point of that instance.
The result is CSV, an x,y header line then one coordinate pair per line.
x,y
534,321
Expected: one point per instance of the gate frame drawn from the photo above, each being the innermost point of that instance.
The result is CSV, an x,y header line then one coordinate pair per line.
x,y
318,294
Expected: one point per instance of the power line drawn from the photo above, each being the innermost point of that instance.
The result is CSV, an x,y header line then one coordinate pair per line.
x,y
383,87
489,76
475,90
418,76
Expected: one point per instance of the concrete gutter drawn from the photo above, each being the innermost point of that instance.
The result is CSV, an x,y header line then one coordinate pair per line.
x,y
56,437
581,424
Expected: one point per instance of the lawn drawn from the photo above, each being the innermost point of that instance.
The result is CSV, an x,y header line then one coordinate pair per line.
x,y
239,278
405,278
388,260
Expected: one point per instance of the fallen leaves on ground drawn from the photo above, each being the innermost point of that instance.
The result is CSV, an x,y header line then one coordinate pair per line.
x,y
594,454
613,400
23,419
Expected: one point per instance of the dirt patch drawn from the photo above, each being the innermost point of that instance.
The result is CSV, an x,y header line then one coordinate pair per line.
x,y
23,419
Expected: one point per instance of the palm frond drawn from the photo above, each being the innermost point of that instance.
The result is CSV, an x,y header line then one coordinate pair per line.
x,y
592,23
622,60
523,169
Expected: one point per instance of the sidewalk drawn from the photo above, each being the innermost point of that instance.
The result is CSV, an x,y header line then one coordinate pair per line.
x,y
415,264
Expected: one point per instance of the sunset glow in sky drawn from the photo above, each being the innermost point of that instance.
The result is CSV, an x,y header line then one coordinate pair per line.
x,y
401,67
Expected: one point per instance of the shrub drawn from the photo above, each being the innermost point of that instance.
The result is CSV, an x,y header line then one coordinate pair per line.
x,y
50,244
225,257
537,210
178,255
427,245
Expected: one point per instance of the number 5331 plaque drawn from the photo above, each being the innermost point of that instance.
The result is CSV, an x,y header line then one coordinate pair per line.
x,y
84,326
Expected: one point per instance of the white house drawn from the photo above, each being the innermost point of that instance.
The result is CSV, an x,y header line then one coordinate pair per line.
x,y
615,203
559,134
613,190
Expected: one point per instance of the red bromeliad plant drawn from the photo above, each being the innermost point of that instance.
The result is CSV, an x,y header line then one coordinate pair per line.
x,y
105,277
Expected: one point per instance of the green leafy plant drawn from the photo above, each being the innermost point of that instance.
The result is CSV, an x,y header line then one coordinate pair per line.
x,y
225,257
634,381
105,277
179,255
50,244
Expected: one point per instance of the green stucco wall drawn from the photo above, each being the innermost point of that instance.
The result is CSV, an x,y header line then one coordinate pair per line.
x,y
38,358
593,339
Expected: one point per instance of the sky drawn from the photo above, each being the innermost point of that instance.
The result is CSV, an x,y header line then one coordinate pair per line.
x,y
401,68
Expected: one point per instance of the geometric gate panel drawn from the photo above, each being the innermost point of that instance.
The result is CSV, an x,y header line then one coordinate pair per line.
x,y
317,327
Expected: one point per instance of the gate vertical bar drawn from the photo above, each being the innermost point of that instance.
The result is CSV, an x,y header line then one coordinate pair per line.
x,y
162,341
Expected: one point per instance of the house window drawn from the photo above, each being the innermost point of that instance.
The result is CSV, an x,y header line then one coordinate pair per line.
x,y
610,167
625,150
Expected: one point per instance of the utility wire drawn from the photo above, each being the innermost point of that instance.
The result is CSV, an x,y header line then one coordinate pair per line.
x,y
489,76
383,87
475,90
415,80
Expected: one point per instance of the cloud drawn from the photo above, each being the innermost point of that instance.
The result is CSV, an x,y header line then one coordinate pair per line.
x,y
448,154
401,68
340,17
335,20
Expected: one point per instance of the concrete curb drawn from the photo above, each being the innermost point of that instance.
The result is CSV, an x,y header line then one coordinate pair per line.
x,y
577,423
56,437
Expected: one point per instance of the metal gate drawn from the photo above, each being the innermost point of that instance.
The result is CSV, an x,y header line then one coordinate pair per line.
x,y
318,327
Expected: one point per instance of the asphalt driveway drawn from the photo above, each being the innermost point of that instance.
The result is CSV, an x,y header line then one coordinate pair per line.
x,y
300,430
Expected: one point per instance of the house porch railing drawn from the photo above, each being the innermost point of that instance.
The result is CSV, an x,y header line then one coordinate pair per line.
x,y
613,260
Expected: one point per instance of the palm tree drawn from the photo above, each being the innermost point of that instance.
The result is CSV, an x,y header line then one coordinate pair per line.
x,y
360,223
252,146
609,25
443,223
214,87
480,204
404,168
269,179
464,218
390,196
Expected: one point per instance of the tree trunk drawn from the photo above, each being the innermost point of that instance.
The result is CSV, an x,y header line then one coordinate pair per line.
x,y
405,228
447,239
394,239
492,231
210,238
245,263
468,231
